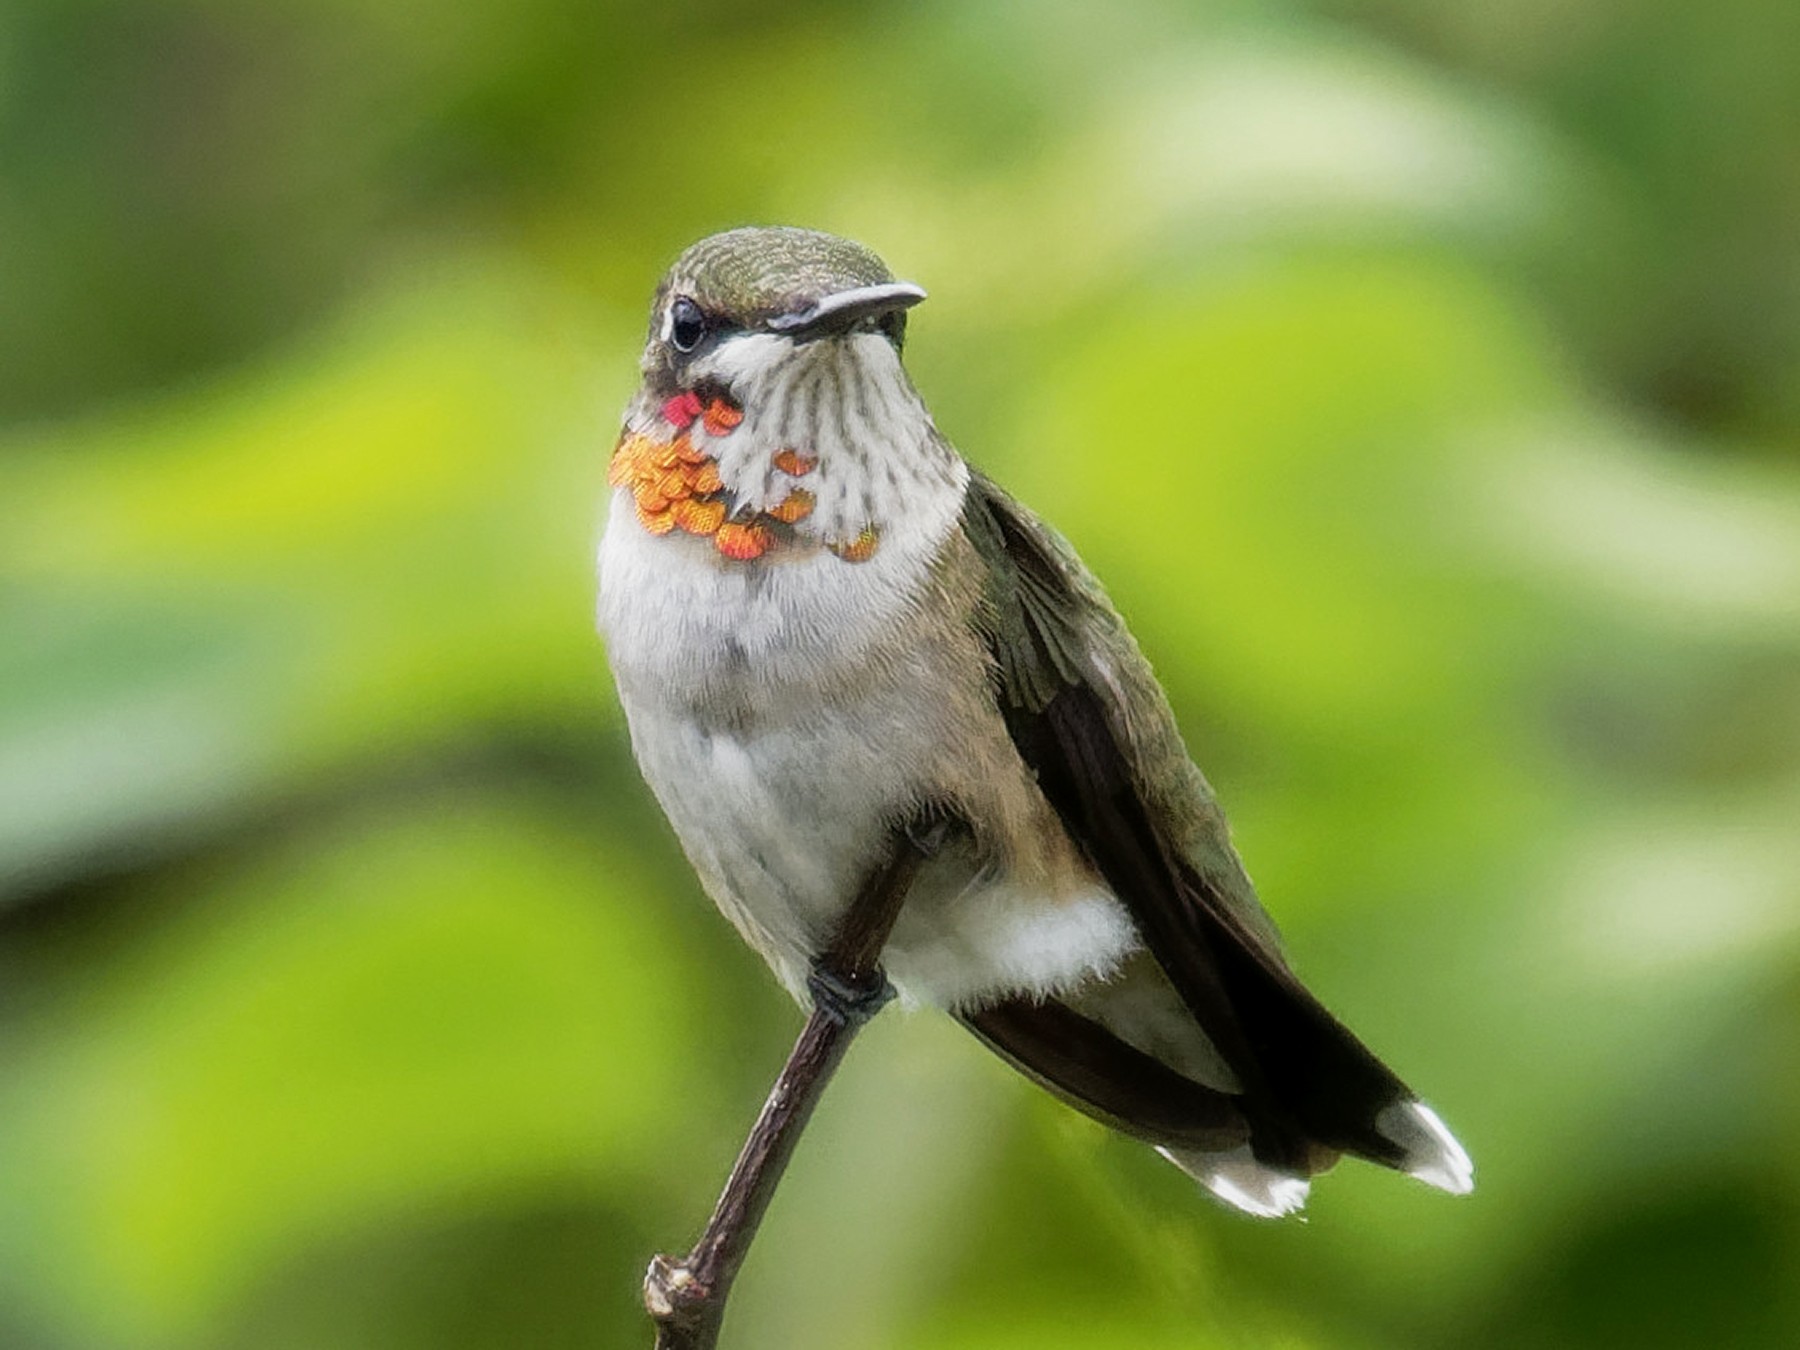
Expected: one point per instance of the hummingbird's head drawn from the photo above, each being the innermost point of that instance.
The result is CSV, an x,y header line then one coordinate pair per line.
x,y
774,408
770,291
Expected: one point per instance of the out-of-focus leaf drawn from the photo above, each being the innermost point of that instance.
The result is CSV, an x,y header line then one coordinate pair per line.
x,y
328,562
452,1000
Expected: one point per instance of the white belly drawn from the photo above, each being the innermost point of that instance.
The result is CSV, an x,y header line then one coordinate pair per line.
x,y
781,823
784,798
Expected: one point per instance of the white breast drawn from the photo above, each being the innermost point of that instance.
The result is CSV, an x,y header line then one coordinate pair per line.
x,y
778,795
781,810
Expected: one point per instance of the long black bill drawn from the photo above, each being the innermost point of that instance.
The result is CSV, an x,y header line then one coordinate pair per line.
x,y
841,312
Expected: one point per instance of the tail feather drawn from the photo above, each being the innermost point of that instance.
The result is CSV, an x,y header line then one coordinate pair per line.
x,y
1103,1076
1429,1151
1237,1178
1129,1054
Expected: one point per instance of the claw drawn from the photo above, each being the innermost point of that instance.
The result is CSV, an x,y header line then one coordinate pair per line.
x,y
849,1003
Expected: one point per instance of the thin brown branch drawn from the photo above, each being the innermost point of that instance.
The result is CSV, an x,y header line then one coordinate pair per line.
x,y
686,1297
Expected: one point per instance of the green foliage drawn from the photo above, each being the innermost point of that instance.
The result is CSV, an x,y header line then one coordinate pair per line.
x,y
1420,386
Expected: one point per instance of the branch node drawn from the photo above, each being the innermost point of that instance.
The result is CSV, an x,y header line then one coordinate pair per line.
x,y
670,1287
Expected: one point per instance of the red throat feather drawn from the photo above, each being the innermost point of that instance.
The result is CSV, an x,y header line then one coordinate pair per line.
x,y
676,486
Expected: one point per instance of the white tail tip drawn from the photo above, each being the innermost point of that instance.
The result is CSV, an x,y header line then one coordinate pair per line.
x,y
1242,1182
1432,1153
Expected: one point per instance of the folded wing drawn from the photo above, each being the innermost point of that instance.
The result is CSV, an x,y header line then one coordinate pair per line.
x,y
1088,717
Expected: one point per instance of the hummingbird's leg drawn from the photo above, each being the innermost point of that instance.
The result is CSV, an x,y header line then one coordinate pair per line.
x,y
686,1297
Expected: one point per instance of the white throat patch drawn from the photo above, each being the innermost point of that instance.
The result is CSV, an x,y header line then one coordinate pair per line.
x,y
846,405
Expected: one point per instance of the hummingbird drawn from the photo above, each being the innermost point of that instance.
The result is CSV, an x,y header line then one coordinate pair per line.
x,y
823,621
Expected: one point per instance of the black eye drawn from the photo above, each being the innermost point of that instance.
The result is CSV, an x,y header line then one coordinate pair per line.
x,y
687,324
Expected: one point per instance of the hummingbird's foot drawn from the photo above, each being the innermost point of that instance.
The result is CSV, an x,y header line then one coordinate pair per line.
x,y
849,1002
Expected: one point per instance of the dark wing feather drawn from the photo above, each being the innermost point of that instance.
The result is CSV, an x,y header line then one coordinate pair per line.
x,y
1087,716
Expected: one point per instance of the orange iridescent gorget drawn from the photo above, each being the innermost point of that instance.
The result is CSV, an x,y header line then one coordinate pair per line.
x,y
678,488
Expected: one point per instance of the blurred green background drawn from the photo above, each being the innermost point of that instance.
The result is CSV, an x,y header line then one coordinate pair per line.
x,y
1423,379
